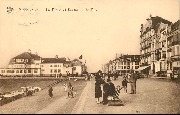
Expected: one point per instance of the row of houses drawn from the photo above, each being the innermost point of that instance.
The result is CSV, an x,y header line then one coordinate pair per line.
x,y
122,65
28,64
159,50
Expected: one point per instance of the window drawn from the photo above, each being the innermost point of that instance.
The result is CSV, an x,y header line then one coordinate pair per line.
x,y
176,50
29,70
136,67
21,71
124,67
51,71
55,70
136,63
59,70
35,70
25,71
41,65
50,65
17,71
55,65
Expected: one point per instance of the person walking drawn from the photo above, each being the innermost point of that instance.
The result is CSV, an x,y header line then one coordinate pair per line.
x,y
124,84
65,86
70,90
98,91
50,92
133,80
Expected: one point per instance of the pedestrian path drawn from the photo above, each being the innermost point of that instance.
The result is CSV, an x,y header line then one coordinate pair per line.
x,y
54,107
78,108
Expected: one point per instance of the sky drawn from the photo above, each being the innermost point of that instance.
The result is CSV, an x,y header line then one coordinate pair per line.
x,y
111,27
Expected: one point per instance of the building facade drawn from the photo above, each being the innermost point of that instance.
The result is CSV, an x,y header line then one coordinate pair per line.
x,y
25,64
153,40
28,64
173,50
123,64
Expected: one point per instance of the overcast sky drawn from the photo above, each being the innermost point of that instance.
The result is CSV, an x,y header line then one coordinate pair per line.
x,y
97,35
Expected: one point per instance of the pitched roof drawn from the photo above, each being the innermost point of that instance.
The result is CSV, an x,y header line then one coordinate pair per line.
x,y
156,20
76,62
54,60
26,55
175,25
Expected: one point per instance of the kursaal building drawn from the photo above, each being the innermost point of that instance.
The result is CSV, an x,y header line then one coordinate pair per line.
x,y
28,65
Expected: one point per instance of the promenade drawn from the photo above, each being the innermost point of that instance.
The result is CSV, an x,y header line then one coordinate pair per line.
x,y
153,96
158,96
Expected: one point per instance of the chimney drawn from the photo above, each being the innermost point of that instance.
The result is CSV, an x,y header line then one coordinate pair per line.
x,y
56,56
29,51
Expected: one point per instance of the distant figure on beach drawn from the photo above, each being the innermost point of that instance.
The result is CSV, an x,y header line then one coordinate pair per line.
x,y
50,92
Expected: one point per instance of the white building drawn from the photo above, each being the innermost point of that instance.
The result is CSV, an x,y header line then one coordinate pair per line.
x,y
25,64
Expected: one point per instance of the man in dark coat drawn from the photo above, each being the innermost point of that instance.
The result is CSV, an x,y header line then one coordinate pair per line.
x,y
98,91
50,92
133,80
105,93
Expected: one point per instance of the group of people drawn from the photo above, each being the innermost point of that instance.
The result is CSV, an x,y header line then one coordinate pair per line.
x,y
129,78
70,89
67,88
107,89
103,88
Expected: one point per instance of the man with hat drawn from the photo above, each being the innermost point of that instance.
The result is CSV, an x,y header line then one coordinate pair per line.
x,y
133,80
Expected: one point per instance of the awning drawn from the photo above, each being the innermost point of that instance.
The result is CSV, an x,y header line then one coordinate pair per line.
x,y
141,68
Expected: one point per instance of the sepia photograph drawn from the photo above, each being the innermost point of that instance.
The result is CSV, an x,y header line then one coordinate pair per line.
x,y
89,57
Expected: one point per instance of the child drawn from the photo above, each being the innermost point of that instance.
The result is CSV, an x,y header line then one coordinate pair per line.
x,y
65,86
124,84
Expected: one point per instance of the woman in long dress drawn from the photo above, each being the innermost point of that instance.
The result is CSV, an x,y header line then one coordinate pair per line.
x,y
98,91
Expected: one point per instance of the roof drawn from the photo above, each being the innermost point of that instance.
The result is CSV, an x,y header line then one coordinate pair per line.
x,y
27,55
54,60
156,23
76,62
157,19
175,26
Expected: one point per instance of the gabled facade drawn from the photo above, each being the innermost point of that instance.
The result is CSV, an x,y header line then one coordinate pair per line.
x,y
123,65
28,64
25,64
78,67
153,44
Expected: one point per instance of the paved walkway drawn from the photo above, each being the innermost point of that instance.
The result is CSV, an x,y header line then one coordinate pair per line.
x,y
153,96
